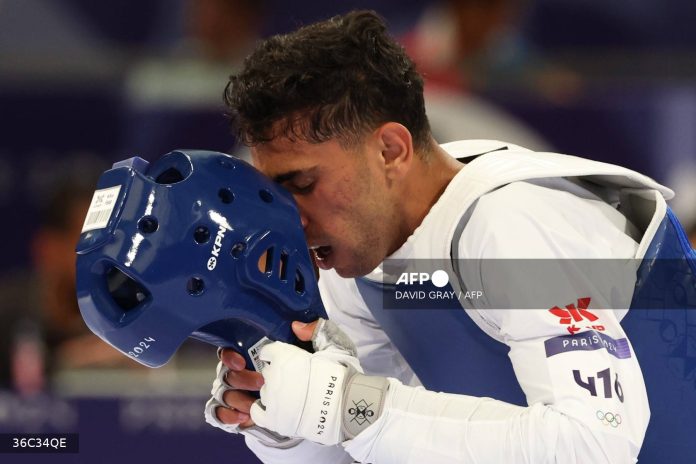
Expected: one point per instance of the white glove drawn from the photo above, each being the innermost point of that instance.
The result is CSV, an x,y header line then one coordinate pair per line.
x,y
305,395
220,386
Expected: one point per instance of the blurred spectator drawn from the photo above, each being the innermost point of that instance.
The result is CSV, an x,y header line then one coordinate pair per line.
x,y
478,46
175,98
41,325
453,46
69,343
21,346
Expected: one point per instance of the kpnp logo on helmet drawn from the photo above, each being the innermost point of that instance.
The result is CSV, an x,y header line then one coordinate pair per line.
x,y
217,246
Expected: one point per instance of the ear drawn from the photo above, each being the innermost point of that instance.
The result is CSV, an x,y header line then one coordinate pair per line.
x,y
396,147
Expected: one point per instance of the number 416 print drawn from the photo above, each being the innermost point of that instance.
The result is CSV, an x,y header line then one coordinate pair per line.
x,y
605,377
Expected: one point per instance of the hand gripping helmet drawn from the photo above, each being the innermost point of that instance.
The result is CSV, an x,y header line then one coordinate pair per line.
x,y
195,244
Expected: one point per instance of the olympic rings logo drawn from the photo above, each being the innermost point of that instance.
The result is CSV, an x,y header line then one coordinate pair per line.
x,y
609,418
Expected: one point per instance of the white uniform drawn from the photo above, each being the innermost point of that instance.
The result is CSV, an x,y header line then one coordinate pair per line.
x,y
585,405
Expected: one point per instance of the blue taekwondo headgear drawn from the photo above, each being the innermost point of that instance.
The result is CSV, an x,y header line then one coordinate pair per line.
x,y
176,248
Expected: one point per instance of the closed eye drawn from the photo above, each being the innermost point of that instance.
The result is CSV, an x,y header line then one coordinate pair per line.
x,y
298,182
301,189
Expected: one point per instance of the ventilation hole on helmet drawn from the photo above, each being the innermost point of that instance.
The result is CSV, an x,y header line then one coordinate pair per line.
x,y
226,195
170,176
237,249
126,292
284,265
148,224
299,283
201,235
266,261
171,168
195,286
266,195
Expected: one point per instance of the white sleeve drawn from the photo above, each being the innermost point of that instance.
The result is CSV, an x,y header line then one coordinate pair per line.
x,y
303,453
587,399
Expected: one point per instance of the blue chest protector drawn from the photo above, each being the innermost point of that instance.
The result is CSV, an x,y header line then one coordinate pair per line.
x,y
660,325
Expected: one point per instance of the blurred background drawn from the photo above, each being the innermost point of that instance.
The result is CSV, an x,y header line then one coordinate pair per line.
x,y
84,84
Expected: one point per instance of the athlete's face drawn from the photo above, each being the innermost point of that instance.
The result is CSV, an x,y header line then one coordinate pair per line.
x,y
343,197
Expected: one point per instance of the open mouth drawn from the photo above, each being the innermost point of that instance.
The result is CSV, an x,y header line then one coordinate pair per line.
x,y
322,255
322,252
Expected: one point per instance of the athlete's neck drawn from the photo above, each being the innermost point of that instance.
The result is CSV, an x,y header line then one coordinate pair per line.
x,y
423,186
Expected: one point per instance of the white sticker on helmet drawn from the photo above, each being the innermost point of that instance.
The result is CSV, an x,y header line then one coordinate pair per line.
x,y
99,213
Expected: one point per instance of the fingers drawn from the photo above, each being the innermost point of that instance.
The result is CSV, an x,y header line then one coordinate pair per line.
x,y
244,380
233,360
232,374
239,404
238,400
230,416
304,330
237,376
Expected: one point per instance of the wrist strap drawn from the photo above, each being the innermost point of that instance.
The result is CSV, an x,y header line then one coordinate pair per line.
x,y
270,438
363,403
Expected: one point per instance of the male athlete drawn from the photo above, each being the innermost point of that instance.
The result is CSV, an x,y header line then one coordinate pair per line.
x,y
334,113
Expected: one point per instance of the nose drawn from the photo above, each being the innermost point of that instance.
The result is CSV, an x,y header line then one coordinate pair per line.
x,y
304,219
303,215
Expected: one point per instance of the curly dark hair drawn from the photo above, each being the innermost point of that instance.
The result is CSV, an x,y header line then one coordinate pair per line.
x,y
338,78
